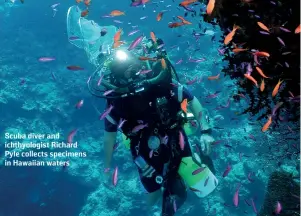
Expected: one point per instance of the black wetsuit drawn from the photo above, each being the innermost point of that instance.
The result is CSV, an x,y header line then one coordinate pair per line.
x,y
140,108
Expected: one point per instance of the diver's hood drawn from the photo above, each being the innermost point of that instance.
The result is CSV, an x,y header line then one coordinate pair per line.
x,y
124,68
121,70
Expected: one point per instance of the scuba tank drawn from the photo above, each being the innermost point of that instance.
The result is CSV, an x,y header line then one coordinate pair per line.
x,y
198,178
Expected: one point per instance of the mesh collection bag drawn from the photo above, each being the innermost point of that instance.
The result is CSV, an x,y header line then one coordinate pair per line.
x,y
86,34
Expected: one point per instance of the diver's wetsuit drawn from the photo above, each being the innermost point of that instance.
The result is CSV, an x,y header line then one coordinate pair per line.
x,y
158,107
141,108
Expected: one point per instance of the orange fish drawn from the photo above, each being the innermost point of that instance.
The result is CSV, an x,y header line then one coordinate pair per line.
x,y
184,105
229,37
261,72
187,2
78,1
144,1
163,63
262,26
262,85
87,2
84,13
118,43
116,13
237,50
175,25
214,77
297,30
153,37
262,54
276,89
249,77
184,21
117,35
159,16
144,58
210,7
267,124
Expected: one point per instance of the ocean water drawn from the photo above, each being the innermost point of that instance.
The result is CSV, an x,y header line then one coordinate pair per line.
x,y
40,97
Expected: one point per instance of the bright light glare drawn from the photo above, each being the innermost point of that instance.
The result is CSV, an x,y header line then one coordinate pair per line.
x,y
121,55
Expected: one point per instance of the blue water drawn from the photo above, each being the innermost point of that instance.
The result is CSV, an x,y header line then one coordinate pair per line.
x,y
43,105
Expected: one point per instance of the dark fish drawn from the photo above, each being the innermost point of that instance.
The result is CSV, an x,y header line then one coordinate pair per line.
x,y
185,14
73,38
200,26
74,68
228,146
103,31
197,171
219,128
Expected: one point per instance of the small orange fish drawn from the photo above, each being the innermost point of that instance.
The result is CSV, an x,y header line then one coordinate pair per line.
x,y
116,13
267,124
84,13
229,37
262,54
117,35
276,89
214,77
249,77
187,2
175,25
210,7
159,16
184,105
262,85
87,2
184,21
144,58
117,44
262,26
297,30
78,1
153,37
261,72
163,63
237,50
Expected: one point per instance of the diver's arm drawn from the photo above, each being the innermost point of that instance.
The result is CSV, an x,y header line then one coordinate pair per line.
x,y
196,108
109,141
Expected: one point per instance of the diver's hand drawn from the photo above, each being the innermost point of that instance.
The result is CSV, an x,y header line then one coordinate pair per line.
x,y
206,141
143,83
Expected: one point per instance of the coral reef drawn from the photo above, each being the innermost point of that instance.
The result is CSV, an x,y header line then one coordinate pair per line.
x,y
281,187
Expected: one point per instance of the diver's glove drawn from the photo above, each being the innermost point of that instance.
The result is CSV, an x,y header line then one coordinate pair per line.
x,y
206,141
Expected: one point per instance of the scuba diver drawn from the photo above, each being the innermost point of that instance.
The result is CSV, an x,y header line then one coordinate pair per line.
x,y
146,104
153,111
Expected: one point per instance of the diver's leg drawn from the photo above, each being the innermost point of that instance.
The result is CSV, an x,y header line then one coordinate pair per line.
x,y
153,198
152,190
